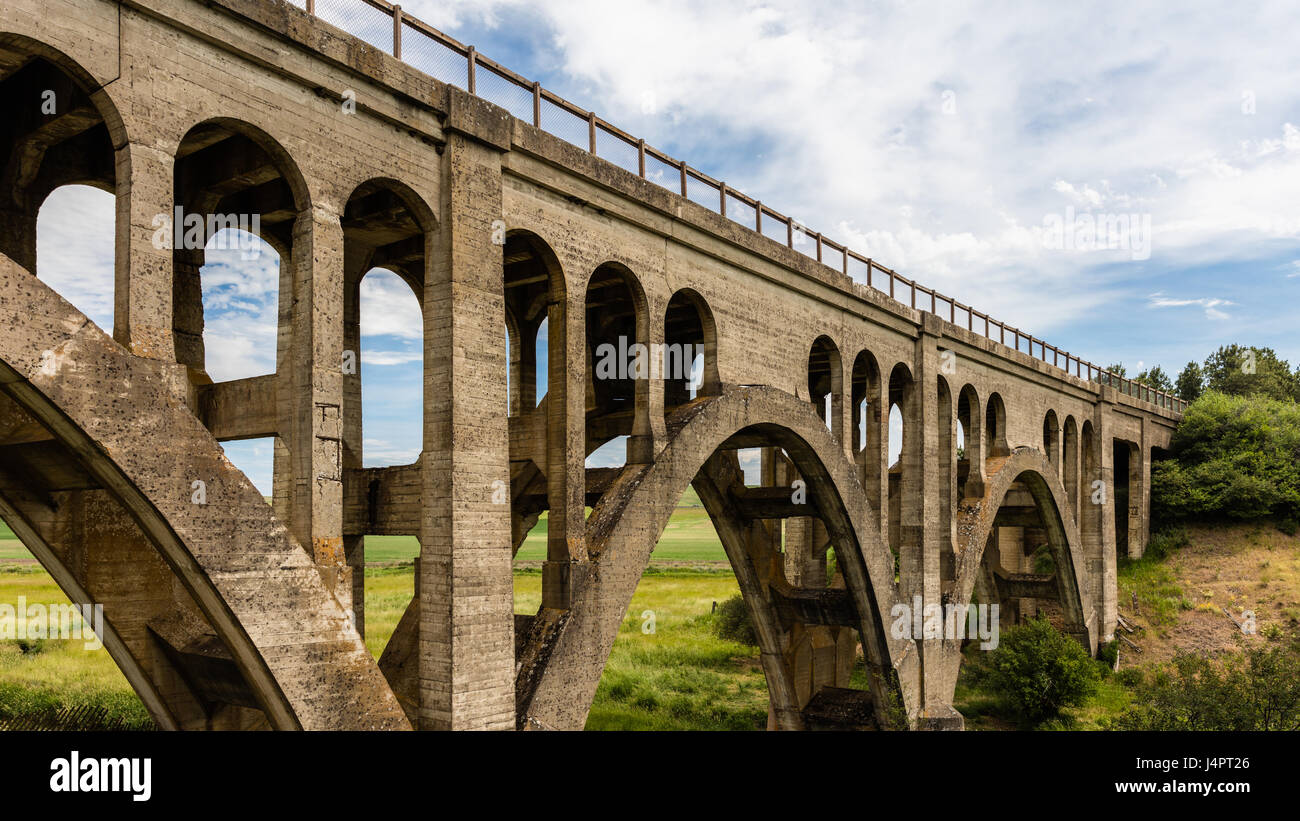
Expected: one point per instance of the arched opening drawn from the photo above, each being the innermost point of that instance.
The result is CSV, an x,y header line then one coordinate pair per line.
x,y
234,189
1029,562
1052,438
74,241
970,464
995,426
532,277
808,662
386,230
690,356
905,468
825,382
869,427
1127,472
619,366
1070,465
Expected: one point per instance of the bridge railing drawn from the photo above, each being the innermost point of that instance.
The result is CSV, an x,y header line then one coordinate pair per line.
x,y
420,45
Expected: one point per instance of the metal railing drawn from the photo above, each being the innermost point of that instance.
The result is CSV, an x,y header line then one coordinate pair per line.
x,y
420,45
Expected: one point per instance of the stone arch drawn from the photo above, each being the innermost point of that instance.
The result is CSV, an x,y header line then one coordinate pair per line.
x,y
995,427
1052,438
559,673
85,153
620,363
1070,465
202,574
536,293
1031,469
826,383
869,418
688,320
971,466
231,171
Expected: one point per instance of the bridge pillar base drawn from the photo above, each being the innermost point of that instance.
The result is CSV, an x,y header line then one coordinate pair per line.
x,y
941,718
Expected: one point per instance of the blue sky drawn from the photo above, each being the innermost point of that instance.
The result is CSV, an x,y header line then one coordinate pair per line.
x,y
943,139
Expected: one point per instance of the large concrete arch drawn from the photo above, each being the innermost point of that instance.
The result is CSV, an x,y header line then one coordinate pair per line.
x,y
975,522
237,563
558,681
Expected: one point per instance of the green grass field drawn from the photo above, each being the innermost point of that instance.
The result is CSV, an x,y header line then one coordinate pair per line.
x,y
676,676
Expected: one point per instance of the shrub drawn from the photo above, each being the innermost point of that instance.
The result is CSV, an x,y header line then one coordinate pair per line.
x,y
731,622
1107,653
1233,458
1130,677
1288,525
1166,542
1040,671
1260,691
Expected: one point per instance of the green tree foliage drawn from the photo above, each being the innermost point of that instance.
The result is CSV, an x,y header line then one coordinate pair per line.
x,y
1155,377
1260,691
1242,371
1191,382
1040,671
1235,457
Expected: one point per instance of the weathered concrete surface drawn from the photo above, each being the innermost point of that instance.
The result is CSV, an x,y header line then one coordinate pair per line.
x,y
242,107
125,420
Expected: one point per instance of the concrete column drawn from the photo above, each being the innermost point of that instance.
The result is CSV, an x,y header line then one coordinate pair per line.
x,y
356,263
1103,559
314,383
142,306
566,452
921,537
466,593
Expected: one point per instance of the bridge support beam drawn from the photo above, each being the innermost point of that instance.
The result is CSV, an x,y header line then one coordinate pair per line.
x,y
466,587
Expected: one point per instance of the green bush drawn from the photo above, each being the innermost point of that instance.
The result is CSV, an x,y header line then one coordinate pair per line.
x,y
1288,525
1130,677
731,622
1166,542
1040,671
1107,653
1260,691
1233,458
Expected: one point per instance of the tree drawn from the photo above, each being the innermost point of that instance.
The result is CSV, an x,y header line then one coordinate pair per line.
x,y
1155,377
1191,382
1241,371
1259,692
1235,457
1041,671
1117,369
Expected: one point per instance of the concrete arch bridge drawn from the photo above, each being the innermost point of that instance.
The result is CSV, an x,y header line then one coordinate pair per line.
x,y
1021,475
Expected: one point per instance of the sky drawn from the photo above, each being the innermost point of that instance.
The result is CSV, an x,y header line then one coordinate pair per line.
x,y
970,146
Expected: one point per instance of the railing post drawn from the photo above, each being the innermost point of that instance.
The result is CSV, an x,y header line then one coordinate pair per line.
x,y
591,131
869,267
722,198
397,33
819,247
913,294
758,216
640,157
311,6
684,190
473,63
537,104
